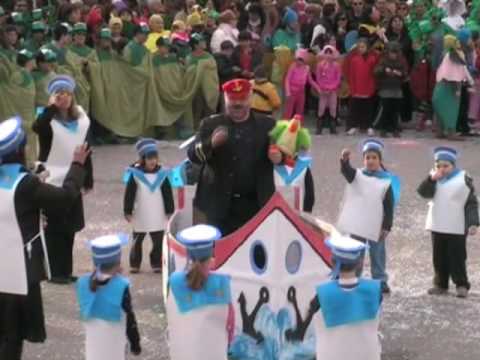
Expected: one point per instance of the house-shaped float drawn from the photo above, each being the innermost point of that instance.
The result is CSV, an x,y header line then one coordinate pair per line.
x,y
275,261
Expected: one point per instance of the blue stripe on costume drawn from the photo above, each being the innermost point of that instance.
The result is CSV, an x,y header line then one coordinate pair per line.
x,y
9,174
344,307
394,182
301,164
105,303
140,175
216,291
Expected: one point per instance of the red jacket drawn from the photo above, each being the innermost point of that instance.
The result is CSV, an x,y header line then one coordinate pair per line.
x,y
358,69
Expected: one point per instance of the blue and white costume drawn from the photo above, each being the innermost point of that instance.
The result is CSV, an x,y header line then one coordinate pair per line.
x,y
189,311
347,324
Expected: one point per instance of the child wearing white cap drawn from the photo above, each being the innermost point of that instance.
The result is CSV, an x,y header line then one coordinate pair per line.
x,y
105,303
196,296
452,215
148,203
368,205
346,310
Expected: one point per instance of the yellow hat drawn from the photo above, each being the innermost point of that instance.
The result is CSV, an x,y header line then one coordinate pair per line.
x,y
194,19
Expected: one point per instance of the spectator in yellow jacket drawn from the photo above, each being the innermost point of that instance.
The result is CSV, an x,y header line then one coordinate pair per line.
x,y
265,99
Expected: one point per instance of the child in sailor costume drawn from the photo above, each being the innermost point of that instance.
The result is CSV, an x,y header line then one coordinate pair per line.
x,y
293,178
148,203
347,323
105,303
22,248
368,205
61,127
198,297
452,215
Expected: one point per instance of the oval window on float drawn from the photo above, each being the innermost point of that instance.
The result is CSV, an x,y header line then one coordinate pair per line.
x,y
293,258
258,257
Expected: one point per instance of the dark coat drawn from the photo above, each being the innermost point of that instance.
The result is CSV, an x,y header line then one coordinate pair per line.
x,y
214,190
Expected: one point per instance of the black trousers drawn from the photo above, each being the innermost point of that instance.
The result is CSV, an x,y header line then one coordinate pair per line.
x,y
361,112
11,349
21,318
389,114
449,259
60,250
136,253
242,209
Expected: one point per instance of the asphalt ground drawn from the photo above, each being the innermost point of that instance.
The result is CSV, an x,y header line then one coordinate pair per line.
x,y
415,326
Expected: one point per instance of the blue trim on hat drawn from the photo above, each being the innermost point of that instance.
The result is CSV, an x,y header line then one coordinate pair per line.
x,y
146,146
373,144
61,82
10,142
344,256
108,254
445,153
199,249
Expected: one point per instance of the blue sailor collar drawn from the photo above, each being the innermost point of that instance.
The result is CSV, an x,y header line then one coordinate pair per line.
x,y
301,164
9,174
161,175
71,125
387,175
216,291
450,176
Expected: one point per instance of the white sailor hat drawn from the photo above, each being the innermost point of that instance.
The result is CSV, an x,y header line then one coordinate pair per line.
x,y
445,153
373,145
61,82
107,249
199,241
12,136
346,249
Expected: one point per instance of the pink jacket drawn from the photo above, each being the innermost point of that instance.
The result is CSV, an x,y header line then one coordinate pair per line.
x,y
296,79
329,75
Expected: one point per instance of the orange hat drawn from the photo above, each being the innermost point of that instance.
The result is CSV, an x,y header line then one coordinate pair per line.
x,y
237,89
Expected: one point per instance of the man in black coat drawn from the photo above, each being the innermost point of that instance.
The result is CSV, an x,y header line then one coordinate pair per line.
x,y
236,177
24,195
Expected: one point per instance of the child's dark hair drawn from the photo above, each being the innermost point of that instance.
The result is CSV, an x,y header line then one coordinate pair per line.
x,y
94,282
196,277
60,31
347,267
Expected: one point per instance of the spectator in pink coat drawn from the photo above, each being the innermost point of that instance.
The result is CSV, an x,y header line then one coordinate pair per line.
x,y
297,77
328,76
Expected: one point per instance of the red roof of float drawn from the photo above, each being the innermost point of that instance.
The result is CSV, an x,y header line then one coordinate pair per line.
x,y
226,247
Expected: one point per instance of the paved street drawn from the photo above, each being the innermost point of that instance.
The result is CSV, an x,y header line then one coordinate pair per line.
x,y
415,326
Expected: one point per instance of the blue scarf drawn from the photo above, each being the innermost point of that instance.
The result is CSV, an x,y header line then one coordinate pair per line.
x,y
450,176
140,175
394,182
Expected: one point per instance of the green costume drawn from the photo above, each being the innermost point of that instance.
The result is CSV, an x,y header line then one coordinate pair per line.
x,y
18,98
202,78
446,103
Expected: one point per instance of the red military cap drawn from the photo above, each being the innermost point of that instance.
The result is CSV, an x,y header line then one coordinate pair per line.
x,y
237,89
